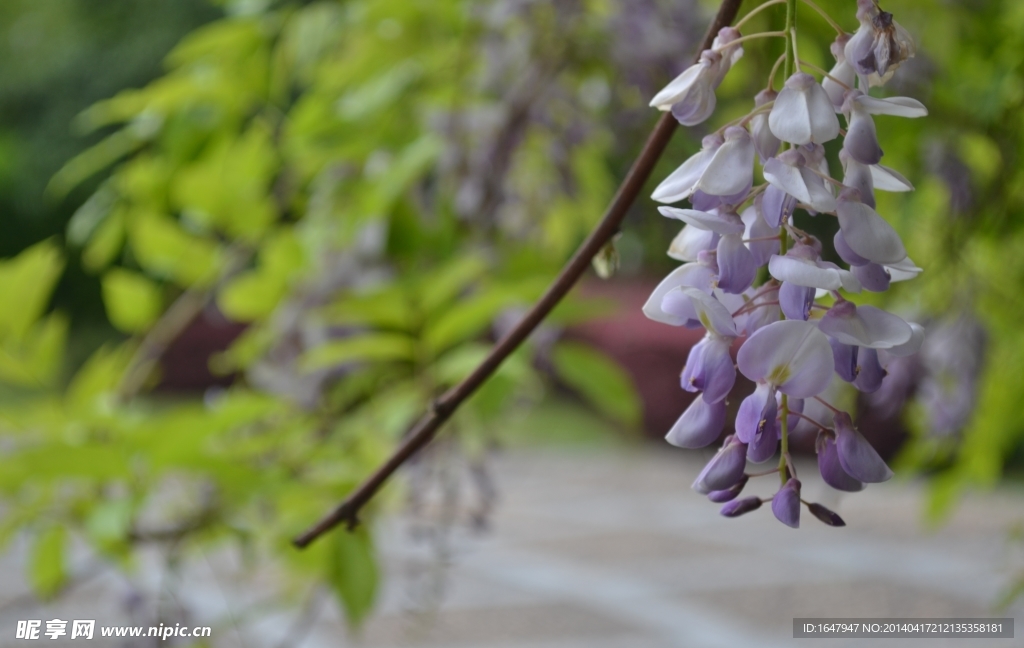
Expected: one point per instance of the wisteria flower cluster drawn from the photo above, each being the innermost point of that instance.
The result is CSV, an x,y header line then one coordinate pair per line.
x,y
800,327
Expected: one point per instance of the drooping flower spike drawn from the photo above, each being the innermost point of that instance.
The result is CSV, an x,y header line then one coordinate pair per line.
x,y
800,330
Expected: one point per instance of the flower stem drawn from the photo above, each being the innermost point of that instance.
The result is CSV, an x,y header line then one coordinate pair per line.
x,y
741,39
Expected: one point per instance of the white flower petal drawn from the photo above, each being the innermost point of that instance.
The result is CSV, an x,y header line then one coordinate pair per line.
x,y
865,326
679,86
802,272
704,220
792,354
731,170
886,179
905,270
690,274
715,317
868,234
689,242
895,106
911,346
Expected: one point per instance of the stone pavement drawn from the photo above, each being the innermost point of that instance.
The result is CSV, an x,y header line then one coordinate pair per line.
x,y
603,548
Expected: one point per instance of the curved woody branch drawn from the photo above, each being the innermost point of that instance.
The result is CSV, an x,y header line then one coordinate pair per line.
x,y
426,428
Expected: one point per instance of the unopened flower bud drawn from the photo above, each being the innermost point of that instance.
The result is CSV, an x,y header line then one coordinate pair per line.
x,y
737,508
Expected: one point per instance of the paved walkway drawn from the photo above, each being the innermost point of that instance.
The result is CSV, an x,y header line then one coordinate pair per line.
x,y
601,548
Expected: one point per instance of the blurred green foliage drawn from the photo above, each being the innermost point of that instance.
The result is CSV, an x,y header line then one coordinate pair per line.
x,y
349,180
377,189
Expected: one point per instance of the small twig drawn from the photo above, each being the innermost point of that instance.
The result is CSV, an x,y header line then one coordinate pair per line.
x,y
424,431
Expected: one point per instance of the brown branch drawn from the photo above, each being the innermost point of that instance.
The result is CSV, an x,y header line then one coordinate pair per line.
x,y
425,430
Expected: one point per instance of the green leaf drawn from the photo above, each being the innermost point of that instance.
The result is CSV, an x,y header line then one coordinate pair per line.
x,y
133,302
467,319
26,282
442,286
369,347
46,566
250,296
601,381
353,572
164,249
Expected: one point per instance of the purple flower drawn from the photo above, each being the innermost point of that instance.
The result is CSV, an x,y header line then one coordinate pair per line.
x,y
803,112
831,468
681,183
725,469
699,425
865,326
791,355
857,457
796,300
825,515
730,493
842,72
730,171
756,227
765,142
786,503
737,508
866,232
756,423
869,371
845,357
802,267
788,173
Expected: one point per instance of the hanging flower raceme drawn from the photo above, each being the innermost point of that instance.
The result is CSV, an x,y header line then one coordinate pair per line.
x,y
800,330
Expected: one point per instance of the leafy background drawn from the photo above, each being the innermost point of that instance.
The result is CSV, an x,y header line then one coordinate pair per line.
x,y
361,195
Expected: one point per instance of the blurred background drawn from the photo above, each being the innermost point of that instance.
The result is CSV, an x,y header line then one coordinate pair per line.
x,y
245,243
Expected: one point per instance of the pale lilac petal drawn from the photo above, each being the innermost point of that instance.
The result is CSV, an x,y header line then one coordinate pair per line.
x,y
868,234
796,300
725,469
748,418
791,354
861,140
912,346
798,182
736,266
845,357
691,94
759,316
886,179
872,276
731,170
776,204
859,177
699,425
842,72
690,274
786,504
765,142
864,326
904,270
680,184
709,368
857,457
713,316
845,252
755,227
766,437
718,223
803,112
831,470
858,51
895,106
691,241
869,371
801,272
